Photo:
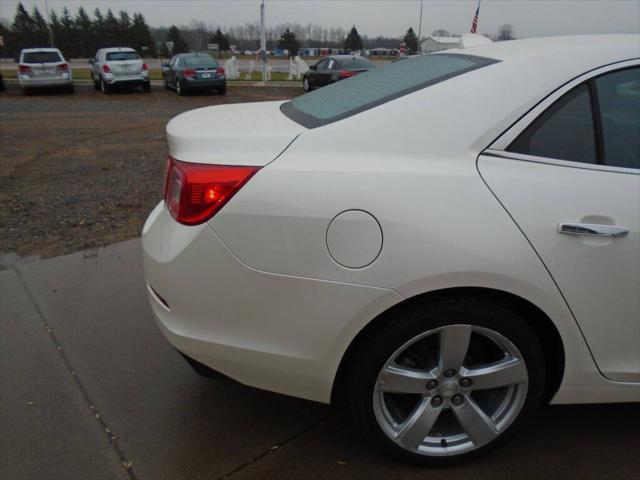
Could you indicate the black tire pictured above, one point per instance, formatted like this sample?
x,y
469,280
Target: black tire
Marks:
x,y
26,91
96,83
146,87
165,84
222,90
410,323
306,84
71,89
105,87
180,90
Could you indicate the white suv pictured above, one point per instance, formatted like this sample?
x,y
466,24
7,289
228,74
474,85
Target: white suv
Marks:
x,y
43,68
446,242
121,66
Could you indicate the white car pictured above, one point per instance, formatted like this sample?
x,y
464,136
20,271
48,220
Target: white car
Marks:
x,y
119,67
444,243
43,68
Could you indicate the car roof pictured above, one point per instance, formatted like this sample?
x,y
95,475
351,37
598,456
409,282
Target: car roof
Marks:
x,y
461,116
44,49
117,49
345,57
193,54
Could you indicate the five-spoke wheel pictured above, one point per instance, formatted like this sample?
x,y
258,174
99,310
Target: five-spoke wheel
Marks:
x,y
444,383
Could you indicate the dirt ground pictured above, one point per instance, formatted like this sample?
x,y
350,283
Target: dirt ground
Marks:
x,y
84,170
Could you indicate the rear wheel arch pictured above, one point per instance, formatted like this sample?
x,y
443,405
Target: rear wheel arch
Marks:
x,y
540,323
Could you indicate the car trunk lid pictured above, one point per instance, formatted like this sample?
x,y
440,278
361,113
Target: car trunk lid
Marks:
x,y
241,134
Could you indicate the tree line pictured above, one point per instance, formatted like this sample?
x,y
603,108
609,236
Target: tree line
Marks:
x,y
80,35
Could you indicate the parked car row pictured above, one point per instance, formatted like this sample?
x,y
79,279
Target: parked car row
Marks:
x,y
119,67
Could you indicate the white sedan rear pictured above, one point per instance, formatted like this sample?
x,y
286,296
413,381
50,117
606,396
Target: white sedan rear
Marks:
x,y
443,244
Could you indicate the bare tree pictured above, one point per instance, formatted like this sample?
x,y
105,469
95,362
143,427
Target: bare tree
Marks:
x,y
505,32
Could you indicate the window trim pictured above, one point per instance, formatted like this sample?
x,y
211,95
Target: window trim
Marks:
x,y
500,145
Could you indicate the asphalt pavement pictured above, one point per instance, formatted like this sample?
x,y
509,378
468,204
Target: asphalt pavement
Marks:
x,y
89,389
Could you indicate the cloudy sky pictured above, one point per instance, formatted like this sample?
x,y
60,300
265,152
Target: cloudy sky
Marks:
x,y
381,17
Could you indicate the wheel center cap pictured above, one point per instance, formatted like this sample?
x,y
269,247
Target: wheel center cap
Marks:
x,y
448,389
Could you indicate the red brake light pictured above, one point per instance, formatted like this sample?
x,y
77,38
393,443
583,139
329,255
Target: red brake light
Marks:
x,y
346,73
145,66
24,68
105,68
189,72
195,192
220,70
63,66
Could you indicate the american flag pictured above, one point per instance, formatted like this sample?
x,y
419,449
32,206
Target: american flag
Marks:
x,y
474,24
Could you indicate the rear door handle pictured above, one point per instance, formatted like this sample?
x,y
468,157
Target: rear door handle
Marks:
x,y
592,229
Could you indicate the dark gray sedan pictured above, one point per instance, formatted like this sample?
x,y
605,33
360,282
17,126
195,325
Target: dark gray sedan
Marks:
x,y
194,71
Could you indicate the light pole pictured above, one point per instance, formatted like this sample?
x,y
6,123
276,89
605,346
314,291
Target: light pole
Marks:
x,y
46,9
420,30
263,44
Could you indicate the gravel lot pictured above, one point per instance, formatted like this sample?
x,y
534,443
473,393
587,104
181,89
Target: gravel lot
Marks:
x,y
84,170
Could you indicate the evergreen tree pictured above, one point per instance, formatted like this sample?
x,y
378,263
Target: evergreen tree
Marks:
x,y
179,45
56,28
40,33
85,33
99,29
68,40
288,41
353,42
111,27
411,41
141,36
222,40
22,29
8,49
124,29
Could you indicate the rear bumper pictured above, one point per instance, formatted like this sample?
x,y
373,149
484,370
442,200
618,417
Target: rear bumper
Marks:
x,y
45,82
275,332
131,80
196,84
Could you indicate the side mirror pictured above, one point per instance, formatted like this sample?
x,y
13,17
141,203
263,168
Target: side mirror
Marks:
x,y
165,66
91,61
312,67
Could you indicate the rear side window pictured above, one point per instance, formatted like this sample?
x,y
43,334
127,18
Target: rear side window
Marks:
x,y
377,86
200,61
565,131
122,56
354,63
597,122
619,105
41,57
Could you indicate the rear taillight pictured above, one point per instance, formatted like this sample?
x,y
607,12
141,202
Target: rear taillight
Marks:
x,y
145,66
346,73
189,72
105,68
24,68
194,192
63,67
220,70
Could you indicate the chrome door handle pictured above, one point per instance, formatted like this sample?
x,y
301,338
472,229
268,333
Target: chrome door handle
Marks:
x,y
592,229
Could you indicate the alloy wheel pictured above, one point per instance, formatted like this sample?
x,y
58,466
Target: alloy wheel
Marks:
x,y
450,390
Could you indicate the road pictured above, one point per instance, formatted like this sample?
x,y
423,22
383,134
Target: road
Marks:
x,y
88,386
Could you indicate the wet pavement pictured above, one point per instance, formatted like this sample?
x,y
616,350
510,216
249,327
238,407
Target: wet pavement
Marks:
x,y
89,389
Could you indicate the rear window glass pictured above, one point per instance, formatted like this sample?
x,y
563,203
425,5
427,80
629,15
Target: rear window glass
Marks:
x,y
121,56
377,86
356,62
200,61
41,57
